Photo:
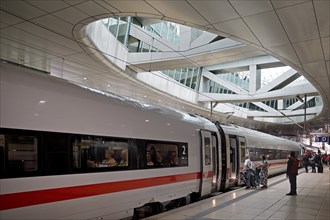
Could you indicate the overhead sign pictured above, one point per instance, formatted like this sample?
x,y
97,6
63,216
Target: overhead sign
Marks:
x,y
322,139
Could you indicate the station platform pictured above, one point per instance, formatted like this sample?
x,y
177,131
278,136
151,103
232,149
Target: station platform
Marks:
x,y
312,201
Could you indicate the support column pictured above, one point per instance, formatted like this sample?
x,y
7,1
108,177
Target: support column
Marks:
x,y
255,79
280,104
203,87
185,38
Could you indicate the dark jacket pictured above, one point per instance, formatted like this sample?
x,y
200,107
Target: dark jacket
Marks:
x,y
306,159
292,166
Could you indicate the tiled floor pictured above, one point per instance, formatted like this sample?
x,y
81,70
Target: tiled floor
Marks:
x,y
312,201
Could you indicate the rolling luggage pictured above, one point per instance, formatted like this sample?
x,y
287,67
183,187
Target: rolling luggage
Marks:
x,y
320,168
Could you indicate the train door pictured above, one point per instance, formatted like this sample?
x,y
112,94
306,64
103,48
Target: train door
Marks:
x,y
215,163
206,163
233,156
241,155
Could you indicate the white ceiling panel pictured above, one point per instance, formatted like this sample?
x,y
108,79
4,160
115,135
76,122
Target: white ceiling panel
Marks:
x,y
43,43
23,40
282,4
180,10
287,52
49,5
9,19
215,11
67,66
323,82
33,60
74,2
76,69
3,25
251,7
317,69
21,9
80,57
131,6
309,51
88,64
106,4
326,47
267,29
92,8
302,14
71,15
45,38
238,29
322,9
55,25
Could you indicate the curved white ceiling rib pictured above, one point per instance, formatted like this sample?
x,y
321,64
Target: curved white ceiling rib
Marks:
x,y
41,34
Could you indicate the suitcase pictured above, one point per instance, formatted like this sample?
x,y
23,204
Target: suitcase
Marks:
x,y
320,168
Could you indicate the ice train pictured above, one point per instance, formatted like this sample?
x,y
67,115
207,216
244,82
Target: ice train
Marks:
x,y
69,152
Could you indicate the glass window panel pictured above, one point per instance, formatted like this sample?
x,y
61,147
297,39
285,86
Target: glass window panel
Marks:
x,y
98,152
207,150
160,154
21,153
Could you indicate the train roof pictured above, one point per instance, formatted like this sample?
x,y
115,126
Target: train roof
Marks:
x,y
36,101
259,139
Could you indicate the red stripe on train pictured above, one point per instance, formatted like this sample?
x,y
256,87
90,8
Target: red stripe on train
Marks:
x,y
17,200
208,174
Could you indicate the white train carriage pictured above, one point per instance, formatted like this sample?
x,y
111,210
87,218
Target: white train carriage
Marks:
x,y
69,152
239,141
54,137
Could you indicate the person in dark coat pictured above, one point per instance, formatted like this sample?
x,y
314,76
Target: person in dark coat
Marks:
x,y
292,172
306,161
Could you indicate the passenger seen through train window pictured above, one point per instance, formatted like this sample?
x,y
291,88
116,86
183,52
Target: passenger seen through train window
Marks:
x,y
166,154
149,161
110,160
98,152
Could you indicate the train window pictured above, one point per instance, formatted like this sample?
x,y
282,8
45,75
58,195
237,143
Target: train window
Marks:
x,y
284,154
160,154
207,150
256,153
18,154
98,152
271,154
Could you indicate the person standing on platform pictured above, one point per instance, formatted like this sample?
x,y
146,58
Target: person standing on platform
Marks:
x,y
248,171
263,165
312,161
306,161
292,172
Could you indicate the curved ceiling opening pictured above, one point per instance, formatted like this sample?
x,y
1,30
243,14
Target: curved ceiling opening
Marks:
x,y
205,69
